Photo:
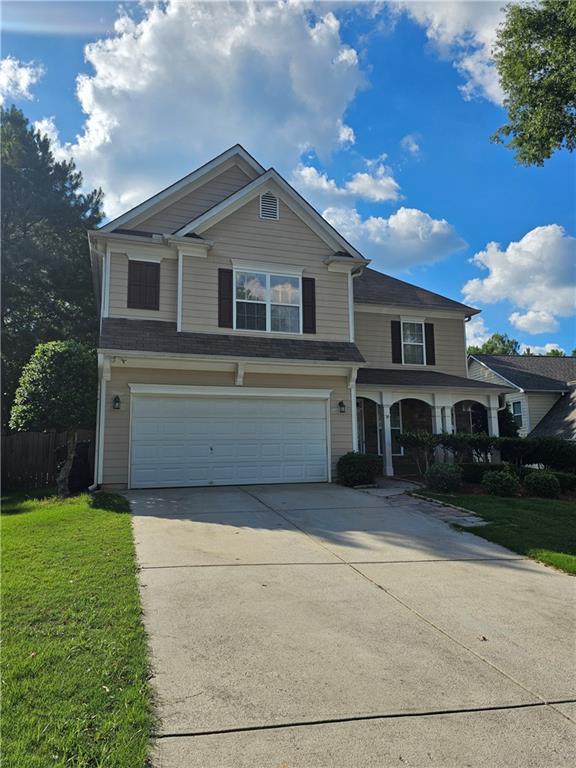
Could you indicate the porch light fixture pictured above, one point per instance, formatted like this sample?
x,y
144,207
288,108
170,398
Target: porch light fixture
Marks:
x,y
342,406
116,402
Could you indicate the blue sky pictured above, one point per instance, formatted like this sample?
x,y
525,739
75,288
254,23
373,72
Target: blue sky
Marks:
x,y
379,114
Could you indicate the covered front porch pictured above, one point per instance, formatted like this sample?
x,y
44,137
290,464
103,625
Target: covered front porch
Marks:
x,y
390,402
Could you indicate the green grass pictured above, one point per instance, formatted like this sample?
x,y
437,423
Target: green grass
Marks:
x,y
543,529
74,660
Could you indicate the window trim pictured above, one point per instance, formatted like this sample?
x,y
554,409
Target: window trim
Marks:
x,y
268,303
418,321
520,414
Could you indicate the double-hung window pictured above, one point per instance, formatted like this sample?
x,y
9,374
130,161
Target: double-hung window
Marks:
x,y
267,302
413,344
517,413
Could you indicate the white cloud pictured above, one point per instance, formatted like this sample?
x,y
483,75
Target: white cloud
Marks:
x,y
541,350
402,240
377,186
188,80
534,321
410,144
536,274
465,33
17,78
476,332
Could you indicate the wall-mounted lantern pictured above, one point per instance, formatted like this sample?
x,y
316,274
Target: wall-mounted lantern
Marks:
x,y
116,402
342,406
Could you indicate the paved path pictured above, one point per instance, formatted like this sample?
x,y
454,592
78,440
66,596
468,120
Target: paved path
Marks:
x,y
316,626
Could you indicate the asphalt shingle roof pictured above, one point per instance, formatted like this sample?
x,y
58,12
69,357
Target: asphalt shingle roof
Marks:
x,y
402,377
372,287
533,372
158,336
560,421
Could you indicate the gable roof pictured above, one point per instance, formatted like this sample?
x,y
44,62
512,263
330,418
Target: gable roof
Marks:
x,y
372,287
560,421
179,188
532,373
290,196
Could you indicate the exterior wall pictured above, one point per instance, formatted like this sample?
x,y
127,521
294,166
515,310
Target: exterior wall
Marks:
x,y
119,290
523,398
373,338
288,241
481,373
177,215
535,405
117,423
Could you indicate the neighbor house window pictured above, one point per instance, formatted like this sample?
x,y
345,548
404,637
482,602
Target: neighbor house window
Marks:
x,y
517,413
268,302
413,343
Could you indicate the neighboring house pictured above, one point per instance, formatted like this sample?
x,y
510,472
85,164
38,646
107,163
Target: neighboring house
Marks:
x,y
244,340
543,402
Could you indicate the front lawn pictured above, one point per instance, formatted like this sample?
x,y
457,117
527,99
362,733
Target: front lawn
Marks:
x,y
75,690
543,529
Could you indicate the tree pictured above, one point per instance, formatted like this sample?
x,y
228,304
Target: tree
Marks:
x,y
507,426
555,353
46,283
57,390
535,56
497,344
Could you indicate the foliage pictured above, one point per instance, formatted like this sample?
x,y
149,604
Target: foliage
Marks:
x,y
57,389
46,283
515,449
542,484
543,529
74,648
421,446
444,477
474,471
507,426
502,483
536,60
567,481
497,344
358,468
553,453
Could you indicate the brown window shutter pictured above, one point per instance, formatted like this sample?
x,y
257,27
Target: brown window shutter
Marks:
x,y
225,298
143,285
396,341
430,346
308,305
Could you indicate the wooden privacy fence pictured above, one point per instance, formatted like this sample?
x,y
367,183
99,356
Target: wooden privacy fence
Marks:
x,y
29,458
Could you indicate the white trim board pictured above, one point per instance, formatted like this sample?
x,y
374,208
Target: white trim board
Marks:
x,y
184,390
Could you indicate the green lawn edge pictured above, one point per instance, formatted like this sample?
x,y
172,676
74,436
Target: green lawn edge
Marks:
x,y
75,657
541,529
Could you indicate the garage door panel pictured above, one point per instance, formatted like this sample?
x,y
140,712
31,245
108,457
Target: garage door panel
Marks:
x,y
179,441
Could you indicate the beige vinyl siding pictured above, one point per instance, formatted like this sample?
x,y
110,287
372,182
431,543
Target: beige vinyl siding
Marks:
x,y
117,426
374,339
119,290
481,373
181,212
539,403
521,397
288,241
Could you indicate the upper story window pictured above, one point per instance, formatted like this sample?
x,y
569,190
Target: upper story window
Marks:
x,y
517,413
413,343
143,284
269,206
267,302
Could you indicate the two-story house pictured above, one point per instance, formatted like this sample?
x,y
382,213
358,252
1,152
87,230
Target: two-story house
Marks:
x,y
543,391
244,340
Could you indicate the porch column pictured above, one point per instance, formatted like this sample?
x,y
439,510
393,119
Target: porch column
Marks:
x,y
448,425
437,419
493,428
388,467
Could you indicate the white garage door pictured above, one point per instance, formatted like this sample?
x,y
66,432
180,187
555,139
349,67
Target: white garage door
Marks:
x,y
183,441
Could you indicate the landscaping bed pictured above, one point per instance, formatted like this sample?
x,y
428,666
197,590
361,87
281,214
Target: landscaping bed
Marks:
x,y
75,668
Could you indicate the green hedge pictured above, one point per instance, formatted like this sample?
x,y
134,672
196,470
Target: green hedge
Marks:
x,y
474,471
542,484
444,477
358,469
501,483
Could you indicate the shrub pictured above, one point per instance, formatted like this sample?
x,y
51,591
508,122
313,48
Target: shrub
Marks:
x,y
516,450
473,471
358,468
542,484
567,481
421,446
553,453
444,477
502,483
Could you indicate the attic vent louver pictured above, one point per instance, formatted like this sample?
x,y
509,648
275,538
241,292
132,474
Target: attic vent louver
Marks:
x,y
269,206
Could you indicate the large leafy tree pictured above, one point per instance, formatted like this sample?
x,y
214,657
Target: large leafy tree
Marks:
x,y
535,53
57,390
46,283
497,344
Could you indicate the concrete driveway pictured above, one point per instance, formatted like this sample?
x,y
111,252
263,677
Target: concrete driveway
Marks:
x,y
307,626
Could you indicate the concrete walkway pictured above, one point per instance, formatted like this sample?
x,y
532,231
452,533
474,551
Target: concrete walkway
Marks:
x,y
316,626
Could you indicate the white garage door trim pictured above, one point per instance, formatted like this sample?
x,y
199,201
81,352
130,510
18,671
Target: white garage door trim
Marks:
x,y
143,390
